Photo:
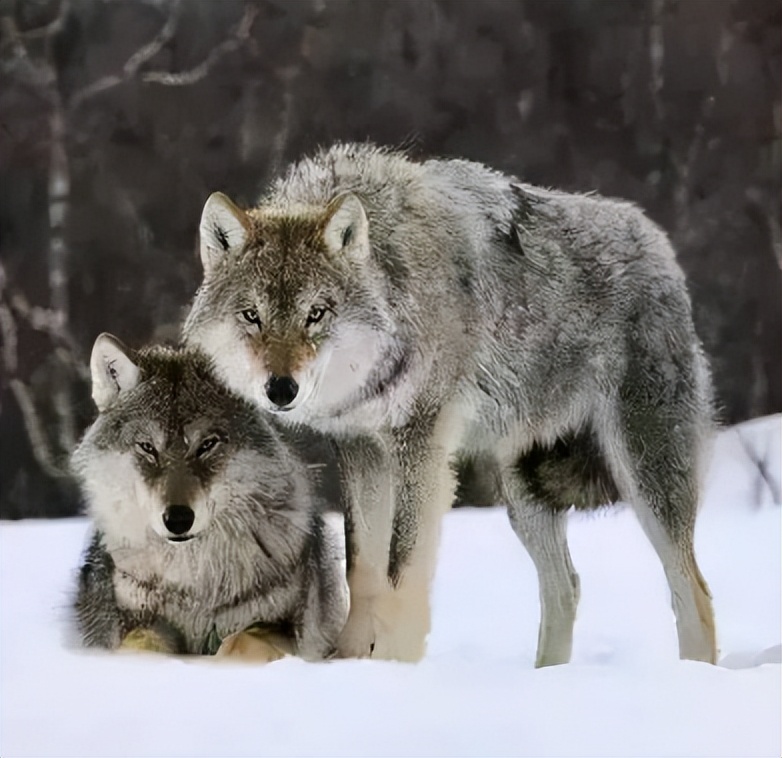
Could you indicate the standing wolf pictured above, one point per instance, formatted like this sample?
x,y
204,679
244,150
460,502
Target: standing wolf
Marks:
x,y
204,521
414,311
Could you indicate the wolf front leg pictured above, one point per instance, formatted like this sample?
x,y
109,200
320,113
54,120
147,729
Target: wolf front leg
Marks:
x,y
100,620
325,605
396,492
365,465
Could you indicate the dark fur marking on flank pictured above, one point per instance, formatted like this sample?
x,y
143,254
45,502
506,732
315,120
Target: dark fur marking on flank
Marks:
x,y
571,472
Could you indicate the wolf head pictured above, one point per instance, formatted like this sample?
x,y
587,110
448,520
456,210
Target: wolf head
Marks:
x,y
288,309
173,454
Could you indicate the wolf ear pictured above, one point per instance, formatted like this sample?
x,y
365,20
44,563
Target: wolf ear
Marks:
x,y
112,370
347,228
223,229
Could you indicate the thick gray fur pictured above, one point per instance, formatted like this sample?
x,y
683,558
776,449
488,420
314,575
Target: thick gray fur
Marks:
x,y
548,334
169,433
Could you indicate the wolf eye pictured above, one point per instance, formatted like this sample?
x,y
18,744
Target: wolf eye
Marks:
x,y
207,445
147,449
317,312
250,315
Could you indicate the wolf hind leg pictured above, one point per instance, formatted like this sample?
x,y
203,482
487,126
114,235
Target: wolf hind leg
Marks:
x,y
690,596
541,486
657,465
543,532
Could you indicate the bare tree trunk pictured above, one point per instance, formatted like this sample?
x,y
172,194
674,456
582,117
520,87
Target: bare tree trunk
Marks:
x,y
59,190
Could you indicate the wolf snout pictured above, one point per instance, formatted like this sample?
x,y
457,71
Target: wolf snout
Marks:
x,y
281,390
178,519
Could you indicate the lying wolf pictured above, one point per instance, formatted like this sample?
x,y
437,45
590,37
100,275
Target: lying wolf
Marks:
x,y
414,311
206,537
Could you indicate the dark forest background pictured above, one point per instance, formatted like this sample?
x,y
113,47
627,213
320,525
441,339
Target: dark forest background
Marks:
x,y
118,118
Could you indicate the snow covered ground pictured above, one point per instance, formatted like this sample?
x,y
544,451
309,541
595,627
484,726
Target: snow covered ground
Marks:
x,y
476,693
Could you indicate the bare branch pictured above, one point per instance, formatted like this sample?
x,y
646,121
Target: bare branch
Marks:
x,y
7,329
32,423
151,49
53,27
39,442
50,322
38,75
41,319
764,474
775,231
288,77
62,402
768,213
195,74
685,166
10,339
683,162
657,58
132,65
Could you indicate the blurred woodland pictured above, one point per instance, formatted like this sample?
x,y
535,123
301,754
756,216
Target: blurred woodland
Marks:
x,y
119,117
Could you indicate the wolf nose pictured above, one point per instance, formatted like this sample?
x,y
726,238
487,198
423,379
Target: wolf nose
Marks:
x,y
281,390
178,518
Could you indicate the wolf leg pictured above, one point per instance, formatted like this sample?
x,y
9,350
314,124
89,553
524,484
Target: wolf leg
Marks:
x,y
690,596
543,532
368,502
327,601
393,548
657,461
426,493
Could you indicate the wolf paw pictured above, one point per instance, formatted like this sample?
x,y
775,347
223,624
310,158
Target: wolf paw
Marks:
x,y
253,646
385,629
357,638
145,641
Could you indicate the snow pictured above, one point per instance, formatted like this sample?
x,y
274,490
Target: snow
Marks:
x,y
625,693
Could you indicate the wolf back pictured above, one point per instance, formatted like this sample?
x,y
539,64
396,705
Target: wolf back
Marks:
x,y
415,311
204,520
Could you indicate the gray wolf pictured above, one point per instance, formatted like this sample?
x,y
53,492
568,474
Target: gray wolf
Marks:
x,y
418,311
206,536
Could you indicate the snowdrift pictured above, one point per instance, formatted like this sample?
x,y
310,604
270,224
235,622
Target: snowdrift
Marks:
x,y
476,693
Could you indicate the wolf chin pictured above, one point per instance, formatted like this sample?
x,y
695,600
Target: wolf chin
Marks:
x,y
206,536
417,311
